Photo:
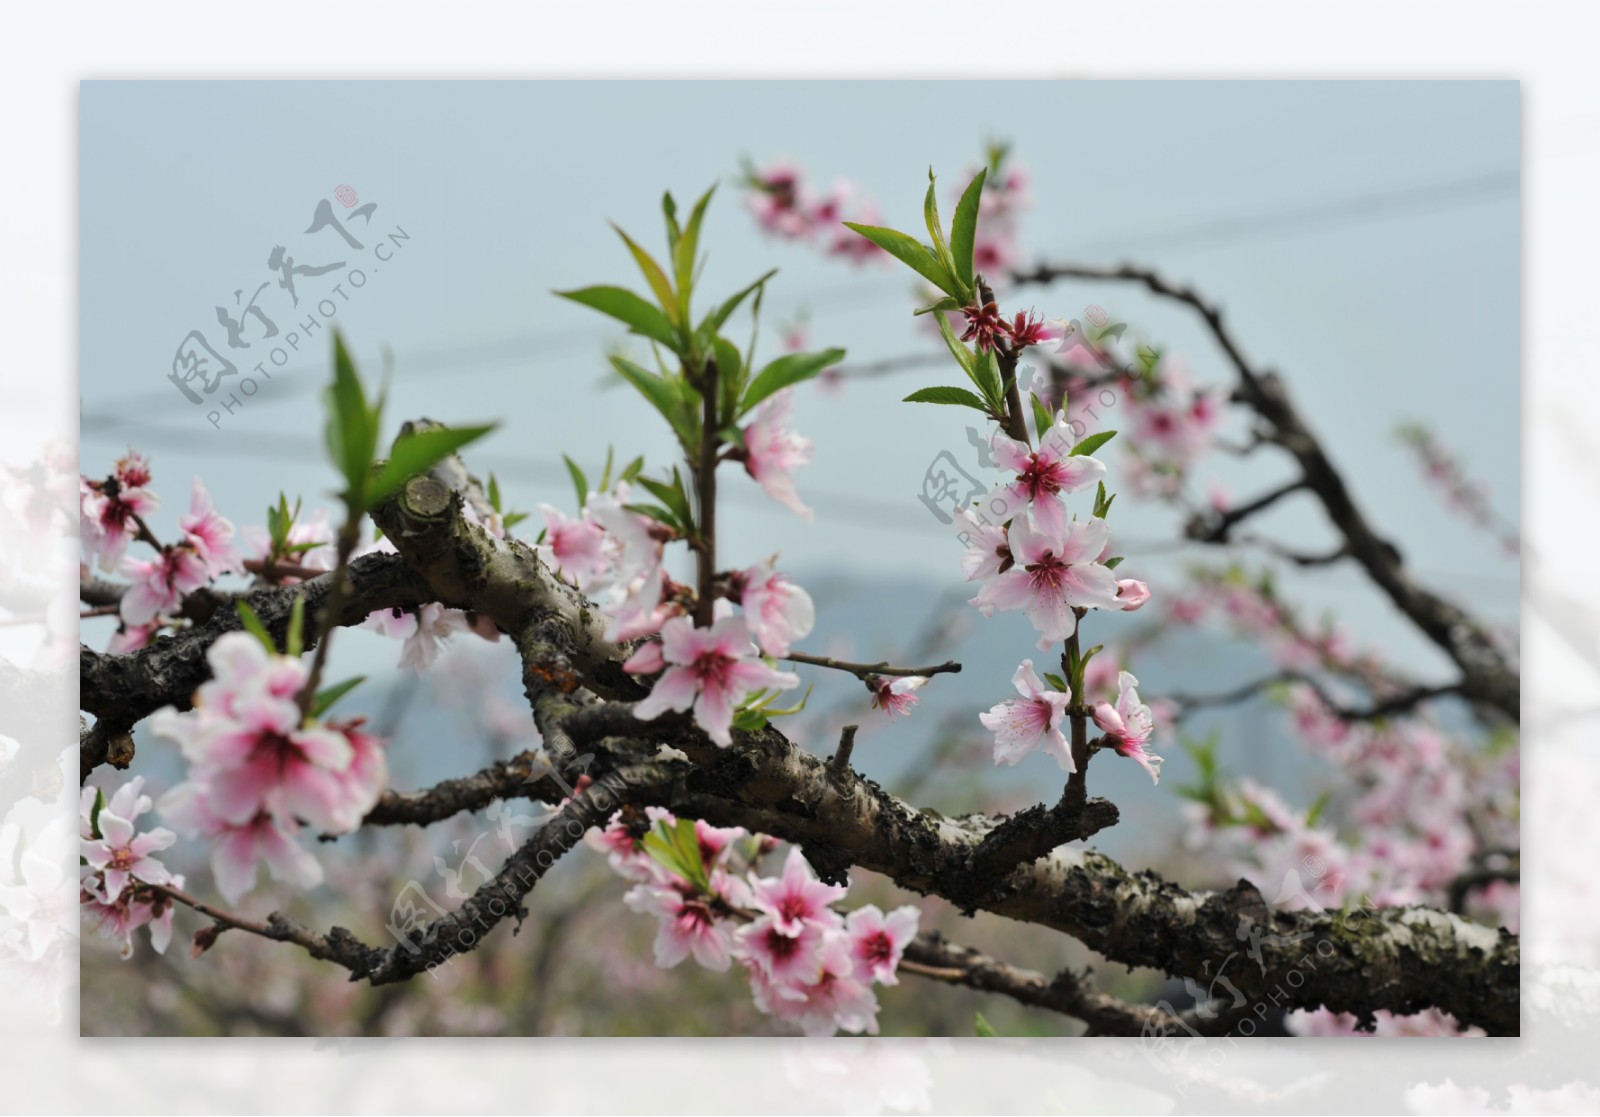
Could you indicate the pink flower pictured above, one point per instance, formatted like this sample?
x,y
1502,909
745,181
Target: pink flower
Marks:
x,y
160,584
1131,594
632,540
648,660
688,923
797,898
717,841
641,607
852,245
877,941
622,850
1129,724
120,854
240,847
1032,722
895,695
1027,329
119,916
779,199
784,960
209,534
251,749
711,669
574,548
777,611
988,550
830,999
772,452
1055,572
130,638
1046,474
396,623
1100,676
107,510
435,624
984,326
993,254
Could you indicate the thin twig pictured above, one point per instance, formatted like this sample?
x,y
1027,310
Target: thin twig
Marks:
x,y
862,670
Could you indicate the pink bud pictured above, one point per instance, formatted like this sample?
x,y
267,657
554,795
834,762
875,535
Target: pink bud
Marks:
x,y
1132,594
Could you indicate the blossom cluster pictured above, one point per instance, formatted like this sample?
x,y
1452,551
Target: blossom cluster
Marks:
x,y
260,769
117,862
1462,493
615,555
807,964
1025,553
111,514
785,204
1171,422
1423,803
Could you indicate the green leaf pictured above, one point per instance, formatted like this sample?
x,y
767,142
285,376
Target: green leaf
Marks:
x,y
749,720
352,430
671,495
658,513
730,376
678,848
1042,421
986,374
669,209
631,470
1113,562
94,811
327,697
957,396
1056,681
913,253
960,352
1093,443
982,1027
629,309
940,306
579,481
252,625
296,641
1314,815
683,253
792,368
964,229
494,493
418,451
665,396
657,278
713,321
930,215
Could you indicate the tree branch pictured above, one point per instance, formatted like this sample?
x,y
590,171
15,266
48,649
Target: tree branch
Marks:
x,y
1486,674
862,670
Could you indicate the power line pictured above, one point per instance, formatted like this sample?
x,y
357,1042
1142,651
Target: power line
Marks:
x,y
1341,211
465,359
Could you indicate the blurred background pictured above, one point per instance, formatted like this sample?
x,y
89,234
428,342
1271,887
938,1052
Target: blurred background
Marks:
x,y
1362,237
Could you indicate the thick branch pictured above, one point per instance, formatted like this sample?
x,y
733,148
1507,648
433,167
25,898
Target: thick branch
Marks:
x,y
130,687
1065,993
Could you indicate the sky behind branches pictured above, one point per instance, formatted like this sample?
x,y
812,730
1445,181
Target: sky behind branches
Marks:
x,y
1362,236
